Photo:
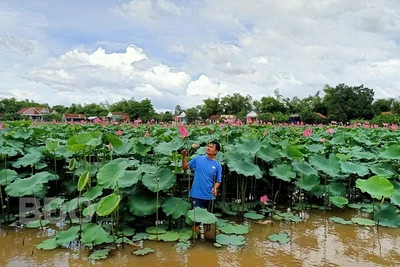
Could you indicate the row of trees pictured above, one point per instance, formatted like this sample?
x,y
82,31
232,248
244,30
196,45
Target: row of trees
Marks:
x,y
341,103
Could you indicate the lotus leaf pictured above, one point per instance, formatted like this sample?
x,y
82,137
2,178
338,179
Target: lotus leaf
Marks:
x,y
169,236
7,176
343,157
83,180
109,174
395,198
53,204
185,234
154,230
90,210
340,220
376,186
234,229
201,215
37,223
167,148
72,164
182,246
283,171
292,152
315,148
268,153
388,216
248,146
337,140
350,167
363,155
338,201
176,207
78,142
234,240
363,221
23,134
143,202
29,186
123,240
140,236
383,170
129,178
33,157
329,166
95,234
99,254
143,251
392,152
282,238
108,204
308,182
146,168
245,168
93,192
114,140
48,244
253,216
304,168
140,148
63,238
336,189
162,180
52,145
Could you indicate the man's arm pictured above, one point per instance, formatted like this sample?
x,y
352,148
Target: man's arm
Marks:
x,y
218,181
215,188
185,165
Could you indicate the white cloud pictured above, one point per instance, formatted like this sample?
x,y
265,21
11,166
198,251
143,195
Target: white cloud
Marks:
x,y
147,9
21,45
206,87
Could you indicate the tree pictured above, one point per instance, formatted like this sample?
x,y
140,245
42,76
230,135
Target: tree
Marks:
x,y
178,110
383,105
60,109
237,105
192,114
166,117
210,107
344,103
269,105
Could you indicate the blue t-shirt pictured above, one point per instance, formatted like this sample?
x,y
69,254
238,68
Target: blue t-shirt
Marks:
x,y
206,171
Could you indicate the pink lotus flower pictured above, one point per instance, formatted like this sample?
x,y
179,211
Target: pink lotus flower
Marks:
x,y
147,134
195,145
307,132
183,131
394,127
264,199
119,132
330,130
323,140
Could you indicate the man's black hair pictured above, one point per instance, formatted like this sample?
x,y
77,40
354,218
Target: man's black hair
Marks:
x,y
217,145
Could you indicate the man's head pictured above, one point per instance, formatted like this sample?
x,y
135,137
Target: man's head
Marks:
x,y
212,148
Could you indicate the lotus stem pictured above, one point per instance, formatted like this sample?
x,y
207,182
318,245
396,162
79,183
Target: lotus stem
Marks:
x,y
158,181
55,172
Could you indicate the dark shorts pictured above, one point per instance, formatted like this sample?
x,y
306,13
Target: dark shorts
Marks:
x,y
202,203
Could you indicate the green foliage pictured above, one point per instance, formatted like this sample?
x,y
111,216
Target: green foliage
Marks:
x,y
386,119
282,238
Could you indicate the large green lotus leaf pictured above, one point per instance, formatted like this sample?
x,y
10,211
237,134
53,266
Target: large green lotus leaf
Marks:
x,y
384,170
129,178
248,146
182,246
283,171
231,157
52,145
114,140
363,155
314,148
395,198
292,152
245,168
63,238
7,176
70,205
282,238
253,216
93,192
308,182
362,140
90,210
329,166
376,186
146,168
302,167
337,140
140,148
339,201
81,139
268,153
234,240
53,204
28,186
143,251
140,236
388,216
350,167
48,244
154,230
83,180
340,220
336,189
318,190
109,174
343,157
234,229
176,207
124,149
23,133
162,180
201,215
185,234
95,234
167,148
100,254
32,157
392,152
143,202
169,236
108,204
363,221
37,223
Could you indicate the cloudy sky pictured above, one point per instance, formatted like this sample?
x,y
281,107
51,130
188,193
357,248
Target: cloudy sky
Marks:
x,y
180,52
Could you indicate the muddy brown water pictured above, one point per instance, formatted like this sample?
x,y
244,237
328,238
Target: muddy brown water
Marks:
x,y
314,242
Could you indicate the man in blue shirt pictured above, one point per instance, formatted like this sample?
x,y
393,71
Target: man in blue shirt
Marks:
x,y
207,175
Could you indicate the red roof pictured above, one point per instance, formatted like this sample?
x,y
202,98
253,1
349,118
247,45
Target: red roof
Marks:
x,y
215,117
74,116
32,110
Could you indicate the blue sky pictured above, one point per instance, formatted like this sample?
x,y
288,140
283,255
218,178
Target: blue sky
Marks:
x,y
180,52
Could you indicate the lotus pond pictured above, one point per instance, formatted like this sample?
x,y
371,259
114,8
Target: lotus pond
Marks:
x,y
117,194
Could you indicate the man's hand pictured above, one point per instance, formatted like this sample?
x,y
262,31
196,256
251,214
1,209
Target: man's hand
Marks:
x,y
183,153
214,191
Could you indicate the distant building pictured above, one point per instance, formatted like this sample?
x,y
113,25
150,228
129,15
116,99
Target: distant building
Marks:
x,y
34,113
118,116
251,117
73,117
182,118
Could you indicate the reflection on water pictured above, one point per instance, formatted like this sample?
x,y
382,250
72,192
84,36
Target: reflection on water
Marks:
x,y
315,242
